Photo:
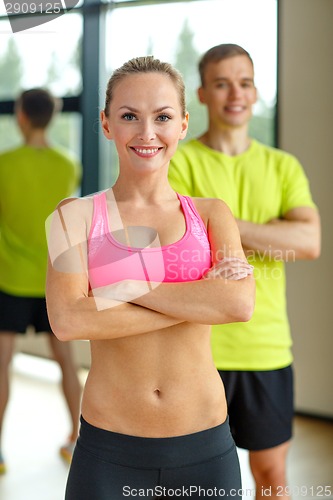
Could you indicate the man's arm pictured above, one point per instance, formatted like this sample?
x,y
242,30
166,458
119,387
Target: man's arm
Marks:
x,y
296,236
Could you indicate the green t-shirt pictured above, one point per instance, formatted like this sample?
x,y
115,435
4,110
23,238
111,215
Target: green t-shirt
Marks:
x,y
261,184
32,182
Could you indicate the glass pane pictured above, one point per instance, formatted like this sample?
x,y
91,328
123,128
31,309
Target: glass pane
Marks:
x,y
64,131
182,33
47,55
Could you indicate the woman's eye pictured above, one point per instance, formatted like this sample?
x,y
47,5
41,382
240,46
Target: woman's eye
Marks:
x,y
128,116
163,118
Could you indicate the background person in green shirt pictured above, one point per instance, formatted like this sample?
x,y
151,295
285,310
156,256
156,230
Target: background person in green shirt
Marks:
x,y
33,179
269,196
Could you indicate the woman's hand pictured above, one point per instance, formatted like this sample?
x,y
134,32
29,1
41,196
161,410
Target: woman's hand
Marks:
x,y
230,268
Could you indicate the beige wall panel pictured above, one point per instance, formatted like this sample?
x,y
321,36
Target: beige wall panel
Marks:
x,y
306,130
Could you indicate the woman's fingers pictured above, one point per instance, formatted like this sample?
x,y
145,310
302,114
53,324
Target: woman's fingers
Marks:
x,y
231,268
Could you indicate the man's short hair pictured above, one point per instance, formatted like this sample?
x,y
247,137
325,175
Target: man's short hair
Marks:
x,y
218,53
39,106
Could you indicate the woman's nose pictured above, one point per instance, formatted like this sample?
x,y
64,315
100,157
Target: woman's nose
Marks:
x,y
146,132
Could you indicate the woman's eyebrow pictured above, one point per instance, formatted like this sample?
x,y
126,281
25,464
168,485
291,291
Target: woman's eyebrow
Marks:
x,y
134,110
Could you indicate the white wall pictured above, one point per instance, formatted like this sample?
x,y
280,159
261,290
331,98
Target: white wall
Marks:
x,y
306,130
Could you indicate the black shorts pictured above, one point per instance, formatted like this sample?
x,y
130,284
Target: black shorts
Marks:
x,y
17,313
107,465
260,407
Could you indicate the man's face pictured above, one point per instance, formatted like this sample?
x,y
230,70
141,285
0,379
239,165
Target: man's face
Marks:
x,y
229,92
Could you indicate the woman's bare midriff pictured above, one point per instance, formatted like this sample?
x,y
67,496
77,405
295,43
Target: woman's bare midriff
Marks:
x,y
160,384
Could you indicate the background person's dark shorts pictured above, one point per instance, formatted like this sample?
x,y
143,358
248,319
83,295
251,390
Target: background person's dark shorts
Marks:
x,y
17,313
260,407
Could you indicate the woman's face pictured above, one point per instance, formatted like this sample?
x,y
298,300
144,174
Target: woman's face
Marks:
x,y
145,121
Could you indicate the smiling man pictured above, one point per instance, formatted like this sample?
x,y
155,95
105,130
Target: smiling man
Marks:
x,y
269,195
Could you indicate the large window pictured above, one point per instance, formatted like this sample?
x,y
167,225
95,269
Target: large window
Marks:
x,y
179,32
49,56
175,31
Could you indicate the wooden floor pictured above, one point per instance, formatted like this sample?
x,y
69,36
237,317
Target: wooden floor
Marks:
x,y
37,425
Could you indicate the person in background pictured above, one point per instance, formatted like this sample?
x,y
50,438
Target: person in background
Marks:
x,y
141,272
33,179
269,195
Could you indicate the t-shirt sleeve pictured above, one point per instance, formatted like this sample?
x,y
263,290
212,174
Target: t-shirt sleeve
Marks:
x,y
296,189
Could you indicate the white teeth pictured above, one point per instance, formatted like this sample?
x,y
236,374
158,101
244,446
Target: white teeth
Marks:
x,y
146,151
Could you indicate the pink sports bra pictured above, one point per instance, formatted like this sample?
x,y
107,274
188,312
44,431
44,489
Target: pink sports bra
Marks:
x,y
110,261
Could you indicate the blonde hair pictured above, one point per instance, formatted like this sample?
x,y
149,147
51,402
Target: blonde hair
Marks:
x,y
145,64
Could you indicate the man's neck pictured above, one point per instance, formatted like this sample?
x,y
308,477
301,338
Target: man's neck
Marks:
x,y
229,142
36,139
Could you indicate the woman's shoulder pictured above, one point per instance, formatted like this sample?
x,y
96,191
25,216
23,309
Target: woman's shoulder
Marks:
x,y
75,213
211,209
210,204
75,204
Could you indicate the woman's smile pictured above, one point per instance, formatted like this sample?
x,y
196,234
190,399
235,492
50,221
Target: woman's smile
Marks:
x,y
146,151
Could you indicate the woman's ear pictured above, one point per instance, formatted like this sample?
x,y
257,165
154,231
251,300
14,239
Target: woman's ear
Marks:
x,y
184,127
105,125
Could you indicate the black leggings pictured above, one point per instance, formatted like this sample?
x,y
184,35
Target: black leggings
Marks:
x,y
111,466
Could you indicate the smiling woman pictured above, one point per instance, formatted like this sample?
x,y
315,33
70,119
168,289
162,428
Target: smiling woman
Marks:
x,y
109,281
